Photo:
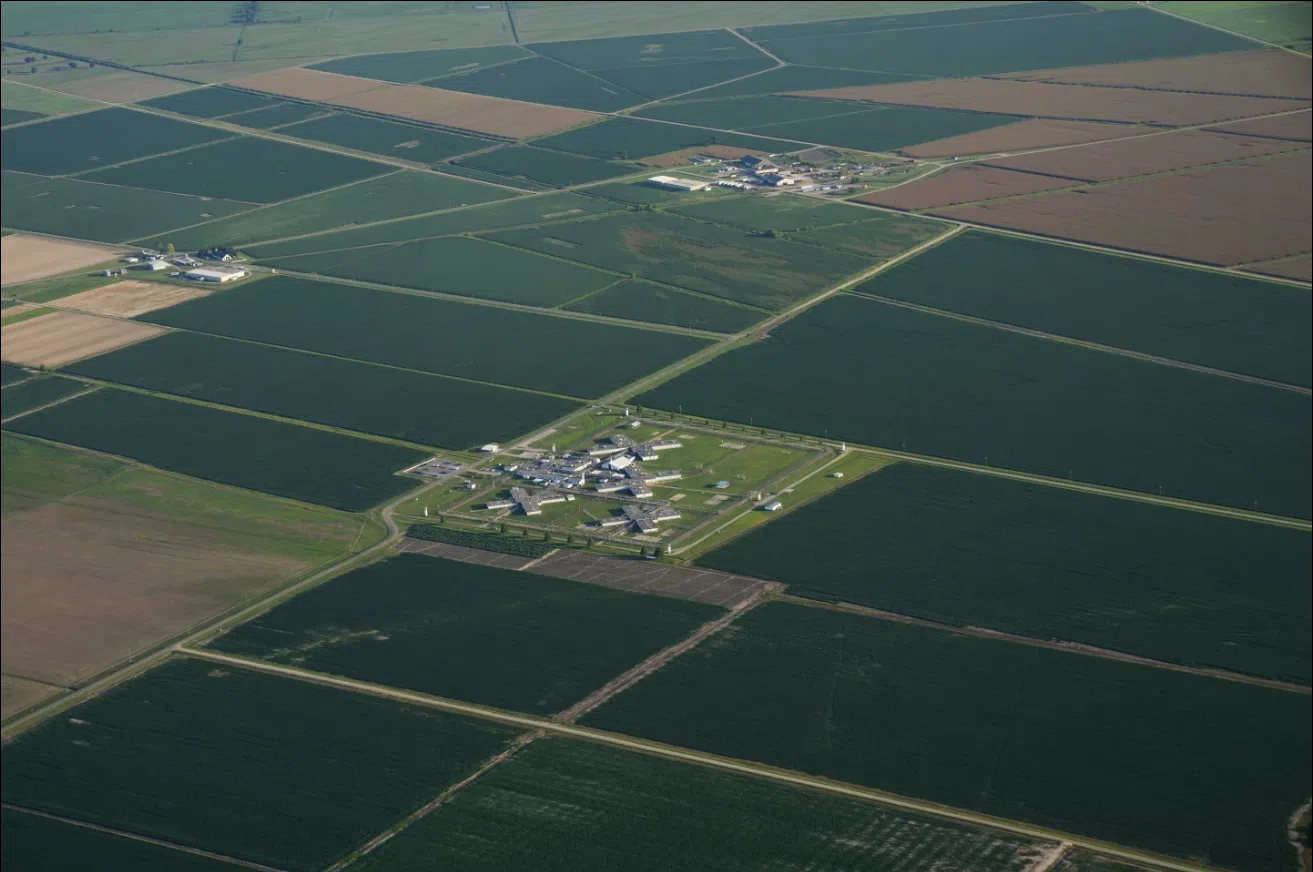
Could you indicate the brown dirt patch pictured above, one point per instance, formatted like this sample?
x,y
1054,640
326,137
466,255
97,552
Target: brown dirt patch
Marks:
x,y
123,87
1297,126
1300,268
131,298
63,337
17,694
1233,214
26,258
467,111
967,184
685,155
1105,161
1031,133
20,309
302,84
1078,102
1259,73
89,582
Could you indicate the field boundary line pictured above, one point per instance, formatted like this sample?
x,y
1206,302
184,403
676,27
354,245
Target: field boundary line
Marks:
x,y
779,62
136,837
1218,27
63,399
716,761
1051,645
1085,343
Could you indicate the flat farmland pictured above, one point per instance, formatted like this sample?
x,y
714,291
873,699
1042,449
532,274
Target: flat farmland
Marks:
x,y
304,773
72,207
1294,125
36,842
1021,135
635,138
642,301
37,392
781,212
126,299
13,374
1167,761
549,167
784,80
879,236
26,258
492,115
962,184
913,16
276,115
389,138
735,265
981,551
317,86
18,116
1282,22
1212,319
36,474
647,813
62,337
211,102
543,80
566,356
1298,268
405,67
121,87
22,97
470,267
953,389
260,454
76,143
409,622
1238,213
395,403
272,171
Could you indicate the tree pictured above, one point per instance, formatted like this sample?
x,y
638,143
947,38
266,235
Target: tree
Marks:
x,y
589,542
171,249
569,539
524,532
503,528
547,537
623,155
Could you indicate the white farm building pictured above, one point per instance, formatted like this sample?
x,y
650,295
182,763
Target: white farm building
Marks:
x,y
215,274
674,184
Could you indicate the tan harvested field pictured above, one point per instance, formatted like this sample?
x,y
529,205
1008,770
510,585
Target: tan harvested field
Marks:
x,y
63,337
967,184
1105,161
1260,73
1079,102
123,87
1300,268
20,309
684,155
131,298
302,84
17,694
89,582
1233,214
1297,126
1031,133
26,258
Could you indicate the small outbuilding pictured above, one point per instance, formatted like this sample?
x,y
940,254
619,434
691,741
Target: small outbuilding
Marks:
x,y
773,506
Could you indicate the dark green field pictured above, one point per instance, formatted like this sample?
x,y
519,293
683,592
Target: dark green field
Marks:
x,y
400,404
10,374
416,66
722,262
634,138
251,766
491,636
635,812
548,167
211,102
977,550
565,356
516,182
641,301
247,168
1167,761
38,392
389,138
470,267
782,80
275,116
18,116
72,207
315,466
1228,322
943,387
941,18
34,843
75,143
881,236
543,80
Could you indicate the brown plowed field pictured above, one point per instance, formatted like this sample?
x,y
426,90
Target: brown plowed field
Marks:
x,y
1300,268
63,337
1261,73
1297,126
1077,102
1031,133
1239,213
122,87
1105,161
17,694
26,258
967,184
467,111
130,299
315,85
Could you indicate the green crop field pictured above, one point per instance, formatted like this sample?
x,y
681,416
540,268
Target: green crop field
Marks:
x,y
634,139
275,115
400,404
1289,24
390,138
1172,762
256,453
783,80
76,143
745,268
1228,322
641,301
640,193
18,116
35,473
543,80
915,16
548,167
519,546
211,102
515,182
85,210
303,773
566,356
247,168
395,195
37,392
977,550
10,374
415,66
943,387
25,98
415,622
469,267
647,813
881,236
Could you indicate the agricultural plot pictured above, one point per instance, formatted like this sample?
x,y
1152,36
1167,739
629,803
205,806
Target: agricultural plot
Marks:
x,y
634,139
537,79
127,299
1031,133
86,210
12,374
272,171
1227,322
976,550
778,212
757,270
1283,23
883,236
275,116
891,21
76,143
544,644
963,184
470,267
32,258
25,98
260,454
389,138
1295,125
1261,73
406,67
647,813
56,338
395,403
936,715
642,301
210,102
953,389
549,167
783,80
38,392
303,773
18,116
36,842
566,356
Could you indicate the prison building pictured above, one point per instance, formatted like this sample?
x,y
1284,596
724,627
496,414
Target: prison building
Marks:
x,y
500,504
652,450
613,445
646,518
